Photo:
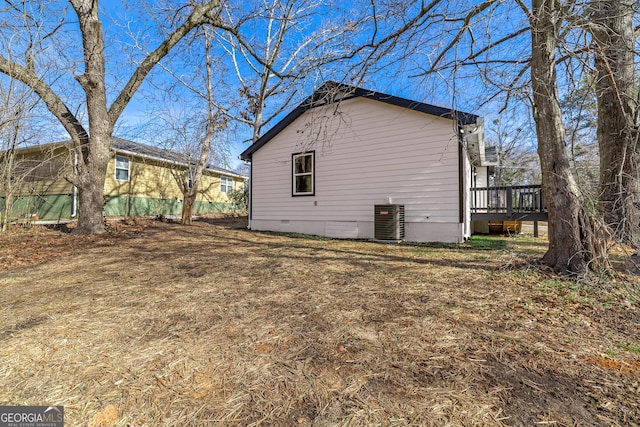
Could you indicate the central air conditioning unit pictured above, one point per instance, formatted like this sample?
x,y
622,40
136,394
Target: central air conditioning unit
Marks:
x,y
389,222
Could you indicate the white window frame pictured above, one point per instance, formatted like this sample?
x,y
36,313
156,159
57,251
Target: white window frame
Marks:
x,y
311,173
226,184
128,168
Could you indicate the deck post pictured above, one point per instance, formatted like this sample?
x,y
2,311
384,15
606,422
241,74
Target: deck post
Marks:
x,y
509,201
535,228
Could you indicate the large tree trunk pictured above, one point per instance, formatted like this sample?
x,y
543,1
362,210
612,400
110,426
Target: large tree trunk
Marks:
x,y
95,151
187,208
93,146
617,136
572,245
91,186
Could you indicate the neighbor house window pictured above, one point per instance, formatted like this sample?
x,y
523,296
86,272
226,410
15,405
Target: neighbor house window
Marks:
x,y
122,168
190,174
303,174
226,184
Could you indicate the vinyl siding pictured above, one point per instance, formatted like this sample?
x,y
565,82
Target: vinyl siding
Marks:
x,y
42,173
40,187
155,181
366,153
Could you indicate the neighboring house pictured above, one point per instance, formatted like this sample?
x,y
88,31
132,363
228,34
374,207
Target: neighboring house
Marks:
x,y
323,168
141,180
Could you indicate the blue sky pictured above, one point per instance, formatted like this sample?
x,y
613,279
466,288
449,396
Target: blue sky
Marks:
x,y
131,31
391,75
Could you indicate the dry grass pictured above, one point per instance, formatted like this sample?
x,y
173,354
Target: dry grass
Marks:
x,y
159,324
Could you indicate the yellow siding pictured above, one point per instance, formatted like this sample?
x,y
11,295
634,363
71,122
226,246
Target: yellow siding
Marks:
x,y
154,180
42,173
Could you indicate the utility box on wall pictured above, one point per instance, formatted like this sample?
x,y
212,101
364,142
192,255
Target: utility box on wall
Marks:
x,y
389,222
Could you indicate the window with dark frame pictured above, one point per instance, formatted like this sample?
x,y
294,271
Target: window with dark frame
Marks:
x,y
122,168
303,174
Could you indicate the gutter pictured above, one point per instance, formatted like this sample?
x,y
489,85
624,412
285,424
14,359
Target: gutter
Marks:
x,y
249,202
74,197
161,160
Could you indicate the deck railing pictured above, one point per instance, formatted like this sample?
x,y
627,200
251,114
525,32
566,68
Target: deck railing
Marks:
x,y
518,202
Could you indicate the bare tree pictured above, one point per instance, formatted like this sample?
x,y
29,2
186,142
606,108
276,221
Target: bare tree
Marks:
x,y
580,117
519,163
574,239
215,121
16,107
611,24
577,240
287,50
93,140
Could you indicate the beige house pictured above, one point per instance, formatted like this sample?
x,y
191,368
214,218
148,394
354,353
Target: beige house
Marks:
x,y
330,164
141,180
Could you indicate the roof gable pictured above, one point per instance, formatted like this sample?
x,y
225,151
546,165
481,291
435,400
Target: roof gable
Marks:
x,y
332,92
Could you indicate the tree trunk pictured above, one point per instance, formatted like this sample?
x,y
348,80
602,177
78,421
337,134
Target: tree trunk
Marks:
x,y
571,229
93,146
7,187
95,150
617,136
187,207
91,189
190,194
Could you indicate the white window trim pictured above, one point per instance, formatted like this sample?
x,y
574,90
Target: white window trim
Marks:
x,y
226,184
294,175
116,168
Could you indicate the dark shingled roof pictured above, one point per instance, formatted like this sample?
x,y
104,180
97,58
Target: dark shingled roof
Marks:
x,y
124,146
328,94
135,148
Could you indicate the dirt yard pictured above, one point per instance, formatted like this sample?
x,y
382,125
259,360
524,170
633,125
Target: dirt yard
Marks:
x,y
160,324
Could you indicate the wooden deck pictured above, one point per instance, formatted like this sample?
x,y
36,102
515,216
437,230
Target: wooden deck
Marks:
x,y
512,203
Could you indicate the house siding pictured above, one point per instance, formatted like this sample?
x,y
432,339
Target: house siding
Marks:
x,y
366,153
152,190
48,207
129,206
155,180
42,173
43,192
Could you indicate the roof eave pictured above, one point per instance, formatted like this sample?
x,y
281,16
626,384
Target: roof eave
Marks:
x,y
319,98
172,162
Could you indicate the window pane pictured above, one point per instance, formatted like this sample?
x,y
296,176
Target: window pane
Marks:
x,y
304,163
226,184
300,166
122,174
122,162
304,184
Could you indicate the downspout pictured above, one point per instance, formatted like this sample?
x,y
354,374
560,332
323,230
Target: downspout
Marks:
x,y
250,207
461,183
74,196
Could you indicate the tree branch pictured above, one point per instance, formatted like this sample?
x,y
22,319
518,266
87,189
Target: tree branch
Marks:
x,y
54,104
197,17
476,11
